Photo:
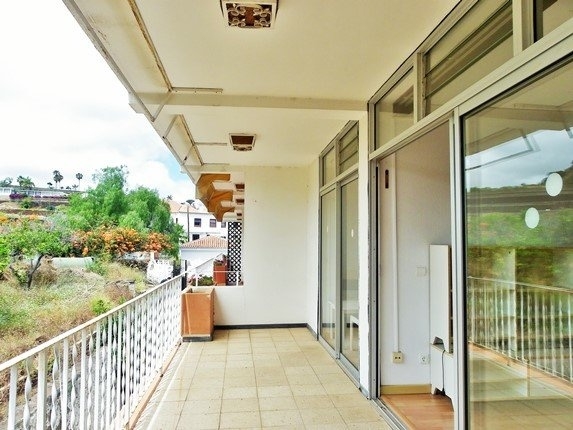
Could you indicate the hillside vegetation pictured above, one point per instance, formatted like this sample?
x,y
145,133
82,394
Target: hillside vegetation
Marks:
x,y
60,300
38,301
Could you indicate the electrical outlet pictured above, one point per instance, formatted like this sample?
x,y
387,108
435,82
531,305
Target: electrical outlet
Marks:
x,y
424,358
397,357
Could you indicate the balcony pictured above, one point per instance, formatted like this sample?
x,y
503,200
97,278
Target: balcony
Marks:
x,y
257,378
128,368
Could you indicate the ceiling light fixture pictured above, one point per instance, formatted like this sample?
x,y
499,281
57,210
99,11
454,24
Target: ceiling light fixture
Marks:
x,y
249,14
242,142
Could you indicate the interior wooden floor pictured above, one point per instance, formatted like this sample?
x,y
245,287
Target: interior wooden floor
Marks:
x,y
422,411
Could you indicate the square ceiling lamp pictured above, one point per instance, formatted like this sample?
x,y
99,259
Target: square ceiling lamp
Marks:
x,y
249,14
242,142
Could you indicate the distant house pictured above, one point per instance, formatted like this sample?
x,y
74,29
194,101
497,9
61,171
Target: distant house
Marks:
x,y
200,254
196,221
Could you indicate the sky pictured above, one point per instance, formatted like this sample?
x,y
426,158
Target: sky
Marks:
x,y
527,160
62,108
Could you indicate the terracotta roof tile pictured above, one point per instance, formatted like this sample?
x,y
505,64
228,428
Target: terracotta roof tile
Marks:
x,y
206,242
175,207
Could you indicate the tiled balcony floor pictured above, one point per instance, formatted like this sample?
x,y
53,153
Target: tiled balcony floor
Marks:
x,y
262,378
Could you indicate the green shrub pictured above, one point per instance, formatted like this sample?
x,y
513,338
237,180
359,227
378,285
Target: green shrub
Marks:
x,y
20,272
26,203
100,306
4,256
205,281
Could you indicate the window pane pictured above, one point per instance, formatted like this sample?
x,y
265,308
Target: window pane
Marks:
x,y
550,14
395,111
348,149
475,46
349,271
454,37
328,267
328,166
519,256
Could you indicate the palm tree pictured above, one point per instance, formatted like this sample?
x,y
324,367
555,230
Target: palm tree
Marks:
x,y
57,177
79,177
50,185
25,182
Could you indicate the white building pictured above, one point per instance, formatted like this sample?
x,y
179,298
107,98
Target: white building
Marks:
x,y
196,221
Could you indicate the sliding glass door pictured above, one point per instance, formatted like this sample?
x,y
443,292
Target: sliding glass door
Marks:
x,y
519,256
339,270
339,246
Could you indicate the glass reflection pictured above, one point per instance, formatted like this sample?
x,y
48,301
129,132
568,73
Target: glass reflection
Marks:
x,y
519,257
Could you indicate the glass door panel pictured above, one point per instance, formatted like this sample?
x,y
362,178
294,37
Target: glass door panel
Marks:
x,y
519,257
349,271
328,327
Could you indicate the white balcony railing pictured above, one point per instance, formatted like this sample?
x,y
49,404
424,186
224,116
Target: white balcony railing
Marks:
x,y
532,324
94,376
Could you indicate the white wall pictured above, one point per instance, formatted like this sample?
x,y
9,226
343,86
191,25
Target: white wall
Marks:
x,y
275,251
195,257
423,218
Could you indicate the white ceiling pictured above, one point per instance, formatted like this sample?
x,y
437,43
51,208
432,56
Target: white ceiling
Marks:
x,y
294,86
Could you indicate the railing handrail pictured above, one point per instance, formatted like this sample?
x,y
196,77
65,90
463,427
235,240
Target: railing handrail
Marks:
x,y
195,276
227,271
525,284
49,343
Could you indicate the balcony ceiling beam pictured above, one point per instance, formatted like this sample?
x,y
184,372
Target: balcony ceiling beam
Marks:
x,y
180,99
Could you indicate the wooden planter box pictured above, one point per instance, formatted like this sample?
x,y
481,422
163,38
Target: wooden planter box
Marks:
x,y
197,314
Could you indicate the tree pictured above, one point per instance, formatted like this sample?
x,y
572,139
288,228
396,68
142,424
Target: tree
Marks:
x,y
6,182
25,182
57,177
31,241
50,185
102,205
110,205
149,207
79,177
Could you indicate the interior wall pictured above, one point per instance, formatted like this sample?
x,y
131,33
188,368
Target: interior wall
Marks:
x,y
275,251
422,218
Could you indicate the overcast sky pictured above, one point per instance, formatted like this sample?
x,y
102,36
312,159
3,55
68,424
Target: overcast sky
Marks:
x,y
62,108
